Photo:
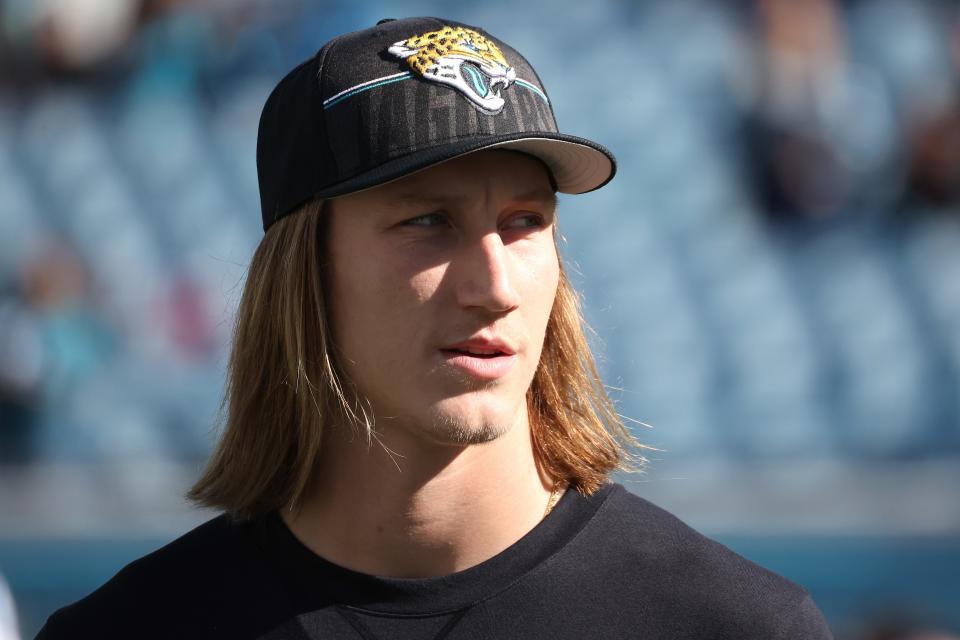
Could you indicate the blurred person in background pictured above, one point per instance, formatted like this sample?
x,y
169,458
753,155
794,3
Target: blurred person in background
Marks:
x,y
844,121
931,120
8,613
799,166
933,154
76,337
417,443
67,38
21,376
54,337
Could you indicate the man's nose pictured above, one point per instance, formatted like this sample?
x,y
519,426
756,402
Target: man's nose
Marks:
x,y
485,276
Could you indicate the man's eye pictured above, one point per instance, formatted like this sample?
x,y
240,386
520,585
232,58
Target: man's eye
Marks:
x,y
426,220
529,221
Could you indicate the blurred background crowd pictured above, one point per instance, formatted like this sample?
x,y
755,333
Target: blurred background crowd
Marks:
x,y
773,277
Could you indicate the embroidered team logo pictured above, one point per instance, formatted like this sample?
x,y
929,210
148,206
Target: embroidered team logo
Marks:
x,y
463,59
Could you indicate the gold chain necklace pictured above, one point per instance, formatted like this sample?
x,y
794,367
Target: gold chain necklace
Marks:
x,y
554,498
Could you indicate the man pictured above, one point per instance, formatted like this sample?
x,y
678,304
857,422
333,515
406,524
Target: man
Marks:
x,y
417,443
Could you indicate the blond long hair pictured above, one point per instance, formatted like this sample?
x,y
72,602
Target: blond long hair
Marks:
x,y
284,386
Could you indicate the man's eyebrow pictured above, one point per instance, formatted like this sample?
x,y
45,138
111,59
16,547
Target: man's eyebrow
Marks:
x,y
548,198
542,196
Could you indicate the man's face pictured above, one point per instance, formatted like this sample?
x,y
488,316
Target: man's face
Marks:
x,y
441,286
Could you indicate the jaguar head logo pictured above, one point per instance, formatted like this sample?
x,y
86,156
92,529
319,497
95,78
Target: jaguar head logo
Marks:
x,y
463,59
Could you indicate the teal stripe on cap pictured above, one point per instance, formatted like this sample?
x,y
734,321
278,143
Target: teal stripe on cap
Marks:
x,y
407,76
366,88
524,83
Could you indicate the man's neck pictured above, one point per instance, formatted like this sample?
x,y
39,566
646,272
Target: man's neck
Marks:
x,y
434,511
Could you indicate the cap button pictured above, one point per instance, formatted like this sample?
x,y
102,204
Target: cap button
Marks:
x,y
379,22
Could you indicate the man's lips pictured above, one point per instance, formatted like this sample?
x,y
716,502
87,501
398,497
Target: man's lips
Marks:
x,y
482,347
485,359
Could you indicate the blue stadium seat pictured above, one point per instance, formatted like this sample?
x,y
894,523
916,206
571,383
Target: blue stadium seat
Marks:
x,y
881,367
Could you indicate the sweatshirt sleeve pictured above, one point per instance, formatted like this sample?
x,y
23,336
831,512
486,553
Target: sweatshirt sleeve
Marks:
x,y
807,623
48,632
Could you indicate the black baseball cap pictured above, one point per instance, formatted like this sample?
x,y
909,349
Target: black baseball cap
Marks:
x,y
379,104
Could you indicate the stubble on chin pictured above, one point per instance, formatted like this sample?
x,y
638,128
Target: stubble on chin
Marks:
x,y
450,430
456,431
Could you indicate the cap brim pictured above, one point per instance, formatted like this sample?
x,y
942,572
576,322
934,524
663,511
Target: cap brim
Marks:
x,y
578,165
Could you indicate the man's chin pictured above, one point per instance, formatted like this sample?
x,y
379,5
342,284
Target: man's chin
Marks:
x,y
460,421
458,430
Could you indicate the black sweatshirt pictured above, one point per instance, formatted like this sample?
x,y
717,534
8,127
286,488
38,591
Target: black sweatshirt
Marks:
x,y
611,565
